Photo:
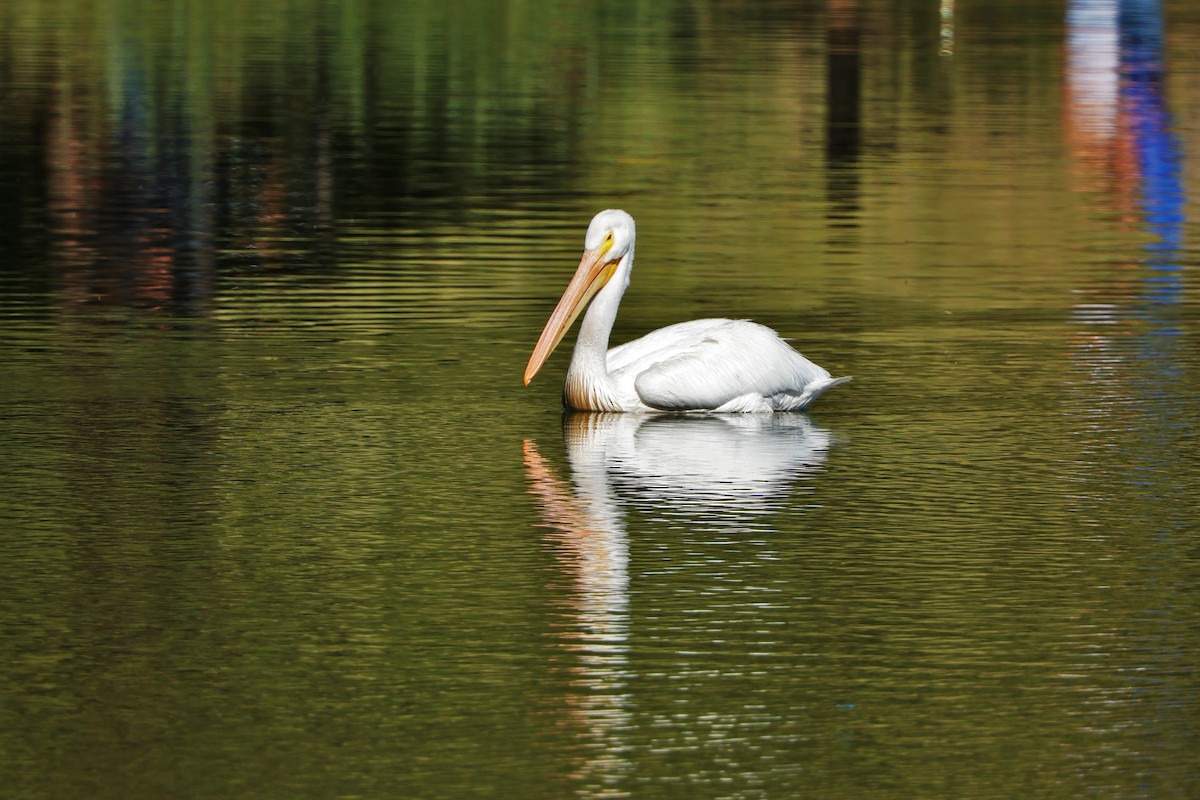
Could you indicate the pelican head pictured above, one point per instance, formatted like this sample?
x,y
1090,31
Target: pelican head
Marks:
x,y
608,251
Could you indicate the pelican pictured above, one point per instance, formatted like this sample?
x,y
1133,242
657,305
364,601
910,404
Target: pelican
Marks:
x,y
717,365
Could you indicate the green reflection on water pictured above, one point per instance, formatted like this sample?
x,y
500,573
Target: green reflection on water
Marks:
x,y
282,521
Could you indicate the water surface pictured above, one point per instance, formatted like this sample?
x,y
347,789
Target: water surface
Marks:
x,y
281,521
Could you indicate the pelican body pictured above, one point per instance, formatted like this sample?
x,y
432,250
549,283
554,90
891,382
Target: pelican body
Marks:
x,y
717,365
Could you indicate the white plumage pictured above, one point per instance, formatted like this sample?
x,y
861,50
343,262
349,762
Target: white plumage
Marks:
x,y
719,365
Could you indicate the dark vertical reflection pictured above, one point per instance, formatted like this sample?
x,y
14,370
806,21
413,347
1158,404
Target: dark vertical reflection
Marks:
x,y
322,138
128,179
842,112
149,148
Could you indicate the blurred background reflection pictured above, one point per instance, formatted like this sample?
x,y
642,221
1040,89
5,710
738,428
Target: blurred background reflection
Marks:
x,y
281,521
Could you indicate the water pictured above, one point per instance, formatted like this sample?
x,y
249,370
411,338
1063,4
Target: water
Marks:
x,y
281,521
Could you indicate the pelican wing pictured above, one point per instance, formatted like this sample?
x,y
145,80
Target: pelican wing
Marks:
x,y
662,344
719,365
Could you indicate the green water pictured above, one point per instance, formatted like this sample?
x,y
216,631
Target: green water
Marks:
x,y
280,520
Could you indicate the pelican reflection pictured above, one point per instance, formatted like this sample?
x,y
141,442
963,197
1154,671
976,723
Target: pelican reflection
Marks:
x,y
719,472
713,471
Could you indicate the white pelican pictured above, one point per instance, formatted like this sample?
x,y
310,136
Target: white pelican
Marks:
x,y
704,365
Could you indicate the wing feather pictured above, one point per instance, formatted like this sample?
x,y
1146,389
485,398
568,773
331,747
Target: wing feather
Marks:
x,y
707,364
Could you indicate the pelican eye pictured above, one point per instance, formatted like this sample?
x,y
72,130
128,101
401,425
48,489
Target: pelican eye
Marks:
x,y
606,245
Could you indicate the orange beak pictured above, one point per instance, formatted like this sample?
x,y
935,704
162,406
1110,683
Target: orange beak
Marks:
x,y
593,273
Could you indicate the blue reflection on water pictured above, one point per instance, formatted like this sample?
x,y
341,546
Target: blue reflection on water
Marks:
x,y
1159,156
1123,137
1123,127
1159,159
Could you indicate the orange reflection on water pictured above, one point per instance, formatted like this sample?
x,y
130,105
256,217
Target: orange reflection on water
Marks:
x,y
591,548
